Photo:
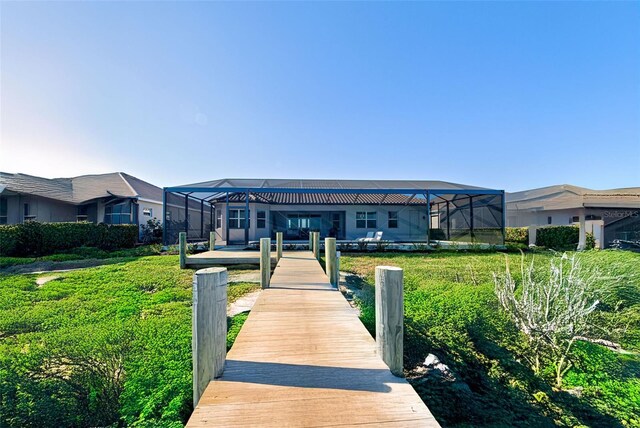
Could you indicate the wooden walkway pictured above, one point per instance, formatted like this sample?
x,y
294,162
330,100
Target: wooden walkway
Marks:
x,y
304,359
225,258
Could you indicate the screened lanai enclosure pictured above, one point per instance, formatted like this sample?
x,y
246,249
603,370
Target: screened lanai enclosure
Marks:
x,y
241,211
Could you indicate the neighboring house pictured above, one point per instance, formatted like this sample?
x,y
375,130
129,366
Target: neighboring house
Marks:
x,y
613,214
114,198
244,210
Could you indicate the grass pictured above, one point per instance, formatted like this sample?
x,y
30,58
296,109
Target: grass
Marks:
x,y
102,345
83,253
451,311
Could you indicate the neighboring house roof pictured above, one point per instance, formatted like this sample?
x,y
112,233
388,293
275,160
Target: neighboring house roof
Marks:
x,y
267,183
566,196
81,189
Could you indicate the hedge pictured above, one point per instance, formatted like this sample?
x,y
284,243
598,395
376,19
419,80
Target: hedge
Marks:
x,y
561,238
518,235
39,239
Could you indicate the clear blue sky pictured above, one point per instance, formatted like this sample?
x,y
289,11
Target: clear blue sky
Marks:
x,y
509,95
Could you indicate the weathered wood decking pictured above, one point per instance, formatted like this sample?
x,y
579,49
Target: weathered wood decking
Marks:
x,y
303,358
225,258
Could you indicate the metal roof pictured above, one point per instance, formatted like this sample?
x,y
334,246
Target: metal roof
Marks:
x,y
81,189
566,196
330,184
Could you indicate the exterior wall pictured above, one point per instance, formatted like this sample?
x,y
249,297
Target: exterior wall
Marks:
x,y
517,218
412,220
156,211
45,210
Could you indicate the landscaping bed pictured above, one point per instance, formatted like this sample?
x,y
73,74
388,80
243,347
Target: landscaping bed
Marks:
x,y
476,372
101,346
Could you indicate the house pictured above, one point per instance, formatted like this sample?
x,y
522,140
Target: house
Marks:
x,y
240,211
114,198
609,214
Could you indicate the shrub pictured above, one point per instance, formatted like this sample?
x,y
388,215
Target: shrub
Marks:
x,y
9,235
519,235
38,239
561,238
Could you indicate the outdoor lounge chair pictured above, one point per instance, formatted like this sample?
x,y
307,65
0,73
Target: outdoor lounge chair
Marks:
x,y
377,236
369,237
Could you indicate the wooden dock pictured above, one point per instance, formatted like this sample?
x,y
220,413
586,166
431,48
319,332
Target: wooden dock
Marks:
x,y
304,359
225,258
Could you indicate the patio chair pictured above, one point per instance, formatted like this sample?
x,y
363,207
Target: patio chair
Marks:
x,y
369,237
377,236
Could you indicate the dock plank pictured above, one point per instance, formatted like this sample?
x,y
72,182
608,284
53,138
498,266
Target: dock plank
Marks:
x,y
304,359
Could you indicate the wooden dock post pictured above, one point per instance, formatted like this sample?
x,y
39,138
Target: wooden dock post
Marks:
x,y
278,246
212,241
209,337
331,260
310,241
390,316
316,245
182,247
265,262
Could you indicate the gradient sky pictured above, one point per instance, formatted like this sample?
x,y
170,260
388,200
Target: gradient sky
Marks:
x,y
508,95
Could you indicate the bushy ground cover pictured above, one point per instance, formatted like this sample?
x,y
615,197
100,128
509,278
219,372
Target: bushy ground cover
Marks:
x,y
83,253
451,311
109,345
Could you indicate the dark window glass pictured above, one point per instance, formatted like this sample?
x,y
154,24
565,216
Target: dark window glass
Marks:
x,y
218,219
549,219
3,210
118,213
262,220
366,220
236,219
393,219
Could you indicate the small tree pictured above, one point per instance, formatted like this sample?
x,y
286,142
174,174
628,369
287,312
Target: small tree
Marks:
x,y
152,231
553,312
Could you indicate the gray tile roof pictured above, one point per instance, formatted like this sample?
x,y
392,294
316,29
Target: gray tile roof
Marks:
x,y
566,196
81,189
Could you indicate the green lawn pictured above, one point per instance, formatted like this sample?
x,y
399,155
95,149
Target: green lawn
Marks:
x,y
452,312
98,346
112,344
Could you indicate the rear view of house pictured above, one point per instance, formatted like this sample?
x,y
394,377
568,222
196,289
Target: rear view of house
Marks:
x,y
240,211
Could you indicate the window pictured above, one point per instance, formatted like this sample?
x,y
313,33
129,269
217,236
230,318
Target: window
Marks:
x,y
147,212
549,220
3,210
27,213
366,220
118,213
218,219
236,219
393,220
262,220
82,213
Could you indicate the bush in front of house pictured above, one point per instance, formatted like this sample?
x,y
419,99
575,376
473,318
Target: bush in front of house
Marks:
x,y
40,239
517,235
561,238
